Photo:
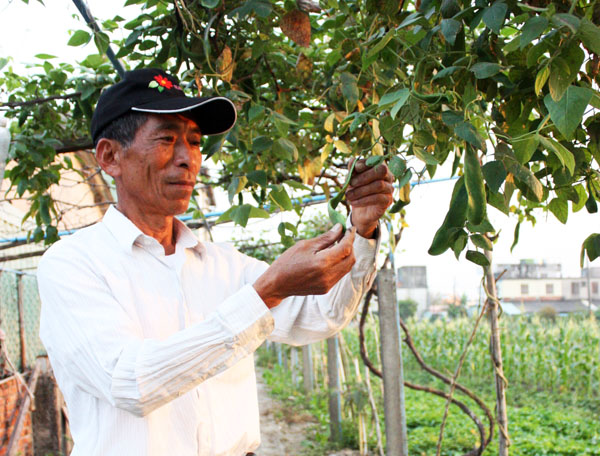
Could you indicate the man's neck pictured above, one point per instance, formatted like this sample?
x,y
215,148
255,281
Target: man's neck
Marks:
x,y
159,227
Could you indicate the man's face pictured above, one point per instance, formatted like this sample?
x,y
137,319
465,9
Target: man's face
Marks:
x,y
156,174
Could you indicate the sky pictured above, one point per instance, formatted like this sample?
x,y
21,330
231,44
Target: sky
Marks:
x,y
27,30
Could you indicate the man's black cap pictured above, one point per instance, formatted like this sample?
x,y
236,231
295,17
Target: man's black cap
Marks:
x,y
154,91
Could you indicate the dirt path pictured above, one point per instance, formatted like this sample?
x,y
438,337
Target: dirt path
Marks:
x,y
283,430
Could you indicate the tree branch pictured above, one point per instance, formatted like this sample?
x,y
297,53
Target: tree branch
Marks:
x,y
35,101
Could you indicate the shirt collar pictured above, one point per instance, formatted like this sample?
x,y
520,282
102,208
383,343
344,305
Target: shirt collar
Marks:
x,y
126,232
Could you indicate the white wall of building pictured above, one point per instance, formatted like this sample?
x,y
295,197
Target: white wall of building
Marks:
x,y
514,289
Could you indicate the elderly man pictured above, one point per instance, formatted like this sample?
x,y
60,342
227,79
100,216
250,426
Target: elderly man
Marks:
x,y
150,332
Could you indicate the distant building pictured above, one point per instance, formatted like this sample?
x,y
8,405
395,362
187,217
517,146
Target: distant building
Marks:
x,y
411,283
531,286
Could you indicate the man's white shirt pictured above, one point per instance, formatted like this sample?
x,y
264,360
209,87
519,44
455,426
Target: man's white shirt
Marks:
x,y
154,353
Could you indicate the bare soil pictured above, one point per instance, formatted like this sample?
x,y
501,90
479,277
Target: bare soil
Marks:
x,y
282,429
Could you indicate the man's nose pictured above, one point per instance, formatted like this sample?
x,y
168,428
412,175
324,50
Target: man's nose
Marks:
x,y
187,156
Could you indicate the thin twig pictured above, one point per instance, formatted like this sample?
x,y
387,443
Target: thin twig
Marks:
x,y
455,377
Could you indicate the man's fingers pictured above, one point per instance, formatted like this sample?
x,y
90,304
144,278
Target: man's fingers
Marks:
x,y
327,239
379,199
379,172
344,247
372,188
360,166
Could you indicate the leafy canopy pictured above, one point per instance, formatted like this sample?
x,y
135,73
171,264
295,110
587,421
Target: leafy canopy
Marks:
x,y
503,91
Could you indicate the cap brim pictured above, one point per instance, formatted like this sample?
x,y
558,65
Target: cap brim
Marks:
x,y
214,116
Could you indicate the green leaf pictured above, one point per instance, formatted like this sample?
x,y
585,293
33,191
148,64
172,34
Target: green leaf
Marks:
x,y
382,43
590,35
494,174
477,258
425,157
286,149
521,173
258,177
591,245
241,214
564,155
45,56
560,78
102,41
236,186
397,166
481,241
452,118
525,147
450,29
566,20
261,143
483,70
399,104
446,72
532,29
405,179
335,216
210,3
467,131
582,198
350,88
374,160
391,98
541,78
79,37
475,188
566,114
45,210
560,208
281,198
493,16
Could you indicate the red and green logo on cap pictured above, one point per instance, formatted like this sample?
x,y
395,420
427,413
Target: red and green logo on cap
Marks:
x,y
161,83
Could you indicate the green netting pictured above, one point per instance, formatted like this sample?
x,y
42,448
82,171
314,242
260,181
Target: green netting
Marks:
x,y
9,316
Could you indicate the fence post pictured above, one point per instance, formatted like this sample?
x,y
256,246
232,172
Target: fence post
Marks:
x,y
307,368
335,400
21,321
279,354
294,364
391,359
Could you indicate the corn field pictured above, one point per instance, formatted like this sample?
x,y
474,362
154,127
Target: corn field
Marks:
x,y
547,363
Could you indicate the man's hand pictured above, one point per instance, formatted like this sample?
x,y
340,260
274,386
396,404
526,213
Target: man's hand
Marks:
x,y
310,267
369,194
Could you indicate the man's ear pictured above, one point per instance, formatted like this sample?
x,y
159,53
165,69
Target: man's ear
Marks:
x,y
108,156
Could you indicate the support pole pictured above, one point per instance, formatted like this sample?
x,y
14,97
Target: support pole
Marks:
x,y
21,322
307,369
391,358
496,349
294,365
335,400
